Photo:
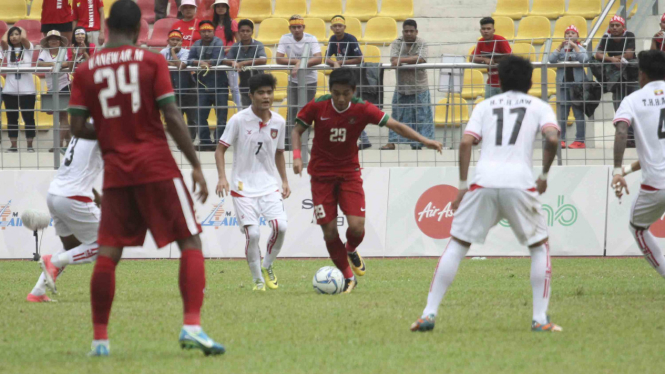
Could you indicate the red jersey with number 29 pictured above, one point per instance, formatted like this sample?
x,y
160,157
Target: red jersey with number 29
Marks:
x,y
122,89
335,148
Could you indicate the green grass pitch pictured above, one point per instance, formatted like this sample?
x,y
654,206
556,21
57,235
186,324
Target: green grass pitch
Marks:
x,y
611,311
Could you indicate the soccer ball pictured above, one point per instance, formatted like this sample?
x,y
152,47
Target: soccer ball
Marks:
x,y
328,280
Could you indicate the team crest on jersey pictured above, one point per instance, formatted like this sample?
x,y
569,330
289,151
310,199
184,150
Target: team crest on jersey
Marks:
x,y
352,120
273,133
658,92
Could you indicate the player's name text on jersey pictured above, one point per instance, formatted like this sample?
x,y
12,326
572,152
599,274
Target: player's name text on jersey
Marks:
x,y
510,102
110,58
659,101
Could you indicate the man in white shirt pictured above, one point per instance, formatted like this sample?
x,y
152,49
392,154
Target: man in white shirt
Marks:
x,y
257,136
72,202
644,110
289,51
503,187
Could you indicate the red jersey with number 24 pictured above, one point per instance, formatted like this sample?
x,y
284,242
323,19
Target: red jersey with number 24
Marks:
x,y
122,89
335,148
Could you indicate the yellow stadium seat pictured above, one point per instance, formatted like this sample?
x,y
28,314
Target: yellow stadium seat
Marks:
x,y
3,118
551,9
324,9
271,30
524,50
282,85
256,10
36,10
474,84
361,9
478,101
536,79
353,27
283,111
43,120
371,53
534,30
453,111
562,24
321,84
40,87
584,8
269,55
601,30
316,27
571,116
233,110
13,11
400,10
504,26
380,30
514,9
287,8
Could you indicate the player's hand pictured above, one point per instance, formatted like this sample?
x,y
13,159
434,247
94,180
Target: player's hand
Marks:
x,y
101,38
98,198
297,166
198,179
458,200
541,186
286,190
619,184
222,188
432,144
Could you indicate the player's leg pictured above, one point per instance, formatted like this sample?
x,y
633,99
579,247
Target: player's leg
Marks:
x,y
352,203
247,212
102,292
647,208
272,209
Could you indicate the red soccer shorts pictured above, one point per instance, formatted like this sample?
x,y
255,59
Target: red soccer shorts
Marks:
x,y
164,207
328,192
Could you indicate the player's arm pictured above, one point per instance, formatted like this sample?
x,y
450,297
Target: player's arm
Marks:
x,y
80,126
280,162
102,26
410,133
620,137
551,135
635,166
465,148
297,132
220,160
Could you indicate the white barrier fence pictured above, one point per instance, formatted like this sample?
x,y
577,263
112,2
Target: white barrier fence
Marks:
x,y
408,214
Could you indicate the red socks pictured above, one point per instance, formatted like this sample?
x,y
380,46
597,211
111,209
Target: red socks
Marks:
x,y
102,290
192,281
352,242
337,253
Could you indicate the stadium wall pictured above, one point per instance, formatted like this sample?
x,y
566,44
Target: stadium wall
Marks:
x,y
408,214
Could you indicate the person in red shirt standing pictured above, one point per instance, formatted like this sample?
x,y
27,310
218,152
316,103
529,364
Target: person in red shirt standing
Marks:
x,y
490,49
57,15
89,14
334,168
189,24
123,88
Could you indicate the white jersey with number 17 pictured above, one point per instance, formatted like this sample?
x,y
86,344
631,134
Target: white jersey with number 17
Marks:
x,y
645,111
508,125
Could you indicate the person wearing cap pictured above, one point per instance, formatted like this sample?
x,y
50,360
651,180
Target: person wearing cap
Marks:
x,y
89,14
213,86
290,50
51,45
182,81
189,24
567,78
246,52
659,37
205,10
160,9
81,49
226,29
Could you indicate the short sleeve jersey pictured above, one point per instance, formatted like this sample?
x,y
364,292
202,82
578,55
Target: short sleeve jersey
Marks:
x,y
255,144
86,14
56,11
78,170
508,124
335,147
122,89
644,110
488,48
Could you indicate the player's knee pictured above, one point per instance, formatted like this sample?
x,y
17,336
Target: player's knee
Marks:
x,y
253,232
356,230
281,227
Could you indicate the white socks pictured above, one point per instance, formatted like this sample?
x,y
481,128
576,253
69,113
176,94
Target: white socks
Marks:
x,y
541,279
275,242
650,249
40,287
252,251
444,275
83,254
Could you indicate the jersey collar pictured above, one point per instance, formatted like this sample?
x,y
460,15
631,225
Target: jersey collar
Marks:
x,y
256,118
333,105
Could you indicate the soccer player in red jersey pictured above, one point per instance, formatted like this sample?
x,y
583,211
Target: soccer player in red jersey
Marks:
x,y
334,168
123,88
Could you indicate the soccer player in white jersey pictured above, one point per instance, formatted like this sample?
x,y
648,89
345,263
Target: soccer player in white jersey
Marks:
x,y
645,111
257,134
71,202
503,187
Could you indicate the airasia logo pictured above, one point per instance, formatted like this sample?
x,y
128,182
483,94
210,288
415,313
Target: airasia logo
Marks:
x,y
658,228
434,212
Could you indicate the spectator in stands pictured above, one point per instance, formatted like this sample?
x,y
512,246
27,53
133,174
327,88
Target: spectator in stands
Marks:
x,y
51,45
81,49
489,50
57,15
213,88
206,12
227,30
657,41
566,79
182,81
19,92
246,52
188,25
89,14
290,49
411,100
160,9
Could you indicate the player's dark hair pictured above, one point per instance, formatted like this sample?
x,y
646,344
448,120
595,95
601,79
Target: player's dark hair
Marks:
x,y
224,21
410,22
652,63
262,80
246,22
486,20
342,76
125,16
515,74
12,55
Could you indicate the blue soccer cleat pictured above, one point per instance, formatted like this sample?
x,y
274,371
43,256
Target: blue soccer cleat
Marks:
x,y
199,340
99,349
424,324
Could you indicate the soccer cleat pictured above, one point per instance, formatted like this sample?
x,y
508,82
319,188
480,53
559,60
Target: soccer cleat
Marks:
x,y
357,263
259,286
548,327
51,272
270,277
349,285
577,145
39,299
200,340
424,324
99,349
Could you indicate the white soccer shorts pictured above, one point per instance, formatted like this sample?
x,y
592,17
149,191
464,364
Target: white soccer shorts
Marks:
x,y
73,217
483,208
250,209
648,207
